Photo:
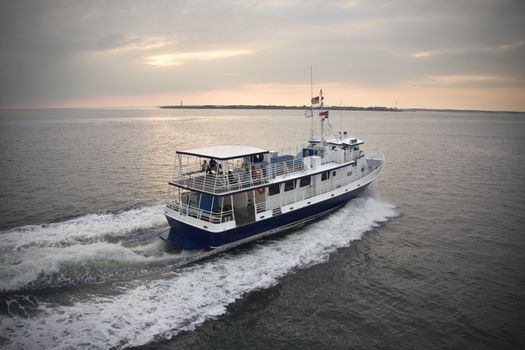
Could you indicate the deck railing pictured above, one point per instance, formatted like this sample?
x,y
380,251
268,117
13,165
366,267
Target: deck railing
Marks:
x,y
284,198
221,180
287,198
217,181
201,214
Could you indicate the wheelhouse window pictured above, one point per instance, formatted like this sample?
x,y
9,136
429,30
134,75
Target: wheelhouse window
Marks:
x,y
325,176
289,185
305,181
274,189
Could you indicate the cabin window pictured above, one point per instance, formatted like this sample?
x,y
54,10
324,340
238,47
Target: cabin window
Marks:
x,y
305,181
362,169
333,174
274,189
325,176
349,173
289,185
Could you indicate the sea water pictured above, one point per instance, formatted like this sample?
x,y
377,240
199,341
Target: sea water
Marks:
x,y
430,256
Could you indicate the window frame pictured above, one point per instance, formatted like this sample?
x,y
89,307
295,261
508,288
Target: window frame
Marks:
x,y
271,189
287,185
303,184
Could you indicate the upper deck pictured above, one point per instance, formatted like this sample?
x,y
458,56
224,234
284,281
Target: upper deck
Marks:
x,y
232,168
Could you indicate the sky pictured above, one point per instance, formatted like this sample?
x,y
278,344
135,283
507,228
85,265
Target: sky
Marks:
x,y
463,54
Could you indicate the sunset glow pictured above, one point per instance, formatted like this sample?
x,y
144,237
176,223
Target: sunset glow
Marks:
x,y
465,55
176,59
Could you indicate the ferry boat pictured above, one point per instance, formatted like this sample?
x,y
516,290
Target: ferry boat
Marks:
x,y
226,195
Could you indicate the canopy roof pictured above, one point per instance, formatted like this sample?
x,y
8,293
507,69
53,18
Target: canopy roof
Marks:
x,y
223,152
350,141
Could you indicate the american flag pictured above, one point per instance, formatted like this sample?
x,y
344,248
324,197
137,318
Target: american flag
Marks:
x,y
323,114
315,100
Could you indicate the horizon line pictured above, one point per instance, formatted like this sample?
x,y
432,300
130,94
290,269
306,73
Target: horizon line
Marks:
x,y
267,106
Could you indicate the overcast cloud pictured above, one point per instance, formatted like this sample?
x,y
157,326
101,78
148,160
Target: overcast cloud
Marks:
x,y
457,54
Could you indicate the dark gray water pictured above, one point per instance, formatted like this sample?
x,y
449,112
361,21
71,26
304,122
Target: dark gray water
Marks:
x,y
433,256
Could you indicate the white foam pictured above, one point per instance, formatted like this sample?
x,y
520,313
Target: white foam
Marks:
x,y
37,267
187,297
85,228
77,250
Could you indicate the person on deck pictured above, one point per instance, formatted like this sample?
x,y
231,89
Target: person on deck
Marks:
x,y
212,166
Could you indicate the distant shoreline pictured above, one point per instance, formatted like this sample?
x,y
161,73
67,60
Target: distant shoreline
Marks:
x,y
334,108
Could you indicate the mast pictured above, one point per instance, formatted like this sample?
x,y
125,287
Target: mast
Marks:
x,y
321,110
341,119
311,104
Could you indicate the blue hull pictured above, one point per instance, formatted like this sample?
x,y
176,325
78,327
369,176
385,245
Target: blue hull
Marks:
x,y
189,237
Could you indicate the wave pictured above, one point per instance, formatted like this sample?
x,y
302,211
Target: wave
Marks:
x,y
186,297
90,248
78,264
84,229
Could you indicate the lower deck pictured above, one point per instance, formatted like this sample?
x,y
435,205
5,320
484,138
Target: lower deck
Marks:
x,y
189,237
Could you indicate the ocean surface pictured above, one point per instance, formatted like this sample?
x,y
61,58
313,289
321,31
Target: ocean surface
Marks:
x,y
432,256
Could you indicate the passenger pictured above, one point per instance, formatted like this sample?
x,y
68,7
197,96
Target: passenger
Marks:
x,y
204,165
212,166
230,177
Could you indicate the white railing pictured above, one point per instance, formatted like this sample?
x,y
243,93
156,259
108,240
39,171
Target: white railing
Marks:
x,y
238,178
326,158
201,214
219,180
379,157
287,198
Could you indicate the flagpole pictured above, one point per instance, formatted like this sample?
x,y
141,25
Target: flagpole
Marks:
x,y
311,104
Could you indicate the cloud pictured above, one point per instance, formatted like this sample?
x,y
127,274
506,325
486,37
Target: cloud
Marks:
x,y
56,51
423,54
471,50
177,59
509,46
459,79
139,43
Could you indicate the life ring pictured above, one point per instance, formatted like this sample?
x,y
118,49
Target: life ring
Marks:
x,y
260,190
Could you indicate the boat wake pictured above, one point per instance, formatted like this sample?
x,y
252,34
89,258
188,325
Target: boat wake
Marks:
x,y
85,229
87,249
180,299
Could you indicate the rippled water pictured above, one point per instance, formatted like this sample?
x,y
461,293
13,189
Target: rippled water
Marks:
x,y
431,256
